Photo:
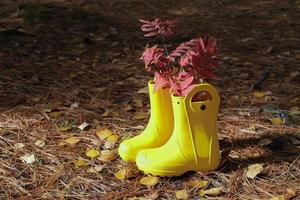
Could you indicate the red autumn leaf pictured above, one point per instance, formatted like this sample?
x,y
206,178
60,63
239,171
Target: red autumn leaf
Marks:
x,y
188,89
186,80
196,58
183,48
175,88
152,55
147,29
158,27
160,82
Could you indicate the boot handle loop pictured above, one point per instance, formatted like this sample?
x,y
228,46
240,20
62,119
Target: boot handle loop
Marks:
x,y
203,87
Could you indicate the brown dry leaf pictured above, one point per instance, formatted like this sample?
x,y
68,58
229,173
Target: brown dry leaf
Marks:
x,y
95,169
140,116
182,194
107,155
109,145
111,141
129,107
143,90
211,192
92,153
254,170
153,196
72,140
149,180
198,183
290,192
104,133
138,103
265,142
80,163
132,171
279,197
35,99
294,74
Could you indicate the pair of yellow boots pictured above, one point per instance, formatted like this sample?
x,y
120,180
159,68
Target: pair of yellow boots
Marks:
x,y
180,136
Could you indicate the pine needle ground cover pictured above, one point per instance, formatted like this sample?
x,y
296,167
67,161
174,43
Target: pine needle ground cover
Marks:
x,y
72,88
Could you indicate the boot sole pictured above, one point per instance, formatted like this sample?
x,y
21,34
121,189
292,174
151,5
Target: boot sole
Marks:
x,y
161,173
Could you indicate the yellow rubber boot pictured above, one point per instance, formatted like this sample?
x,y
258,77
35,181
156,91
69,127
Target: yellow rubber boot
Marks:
x,y
194,144
159,128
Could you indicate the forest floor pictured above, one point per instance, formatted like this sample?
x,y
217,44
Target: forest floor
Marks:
x,y
63,63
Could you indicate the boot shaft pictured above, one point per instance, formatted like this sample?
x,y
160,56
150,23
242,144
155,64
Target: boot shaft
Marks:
x,y
161,108
195,125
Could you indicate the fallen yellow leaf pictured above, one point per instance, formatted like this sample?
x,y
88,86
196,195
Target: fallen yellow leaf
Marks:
x,y
39,143
79,163
261,94
104,133
73,75
128,172
113,138
280,197
278,120
72,140
182,194
107,155
198,183
19,145
54,114
138,198
105,114
94,169
64,128
140,116
254,170
92,153
149,180
129,107
211,192
28,158
121,174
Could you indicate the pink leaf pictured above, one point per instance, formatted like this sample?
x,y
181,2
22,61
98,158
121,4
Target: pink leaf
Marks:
x,y
187,90
148,29
144,21
160,82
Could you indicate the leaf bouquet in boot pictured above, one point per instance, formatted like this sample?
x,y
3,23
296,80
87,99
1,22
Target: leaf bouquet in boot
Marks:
x,y
181,133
